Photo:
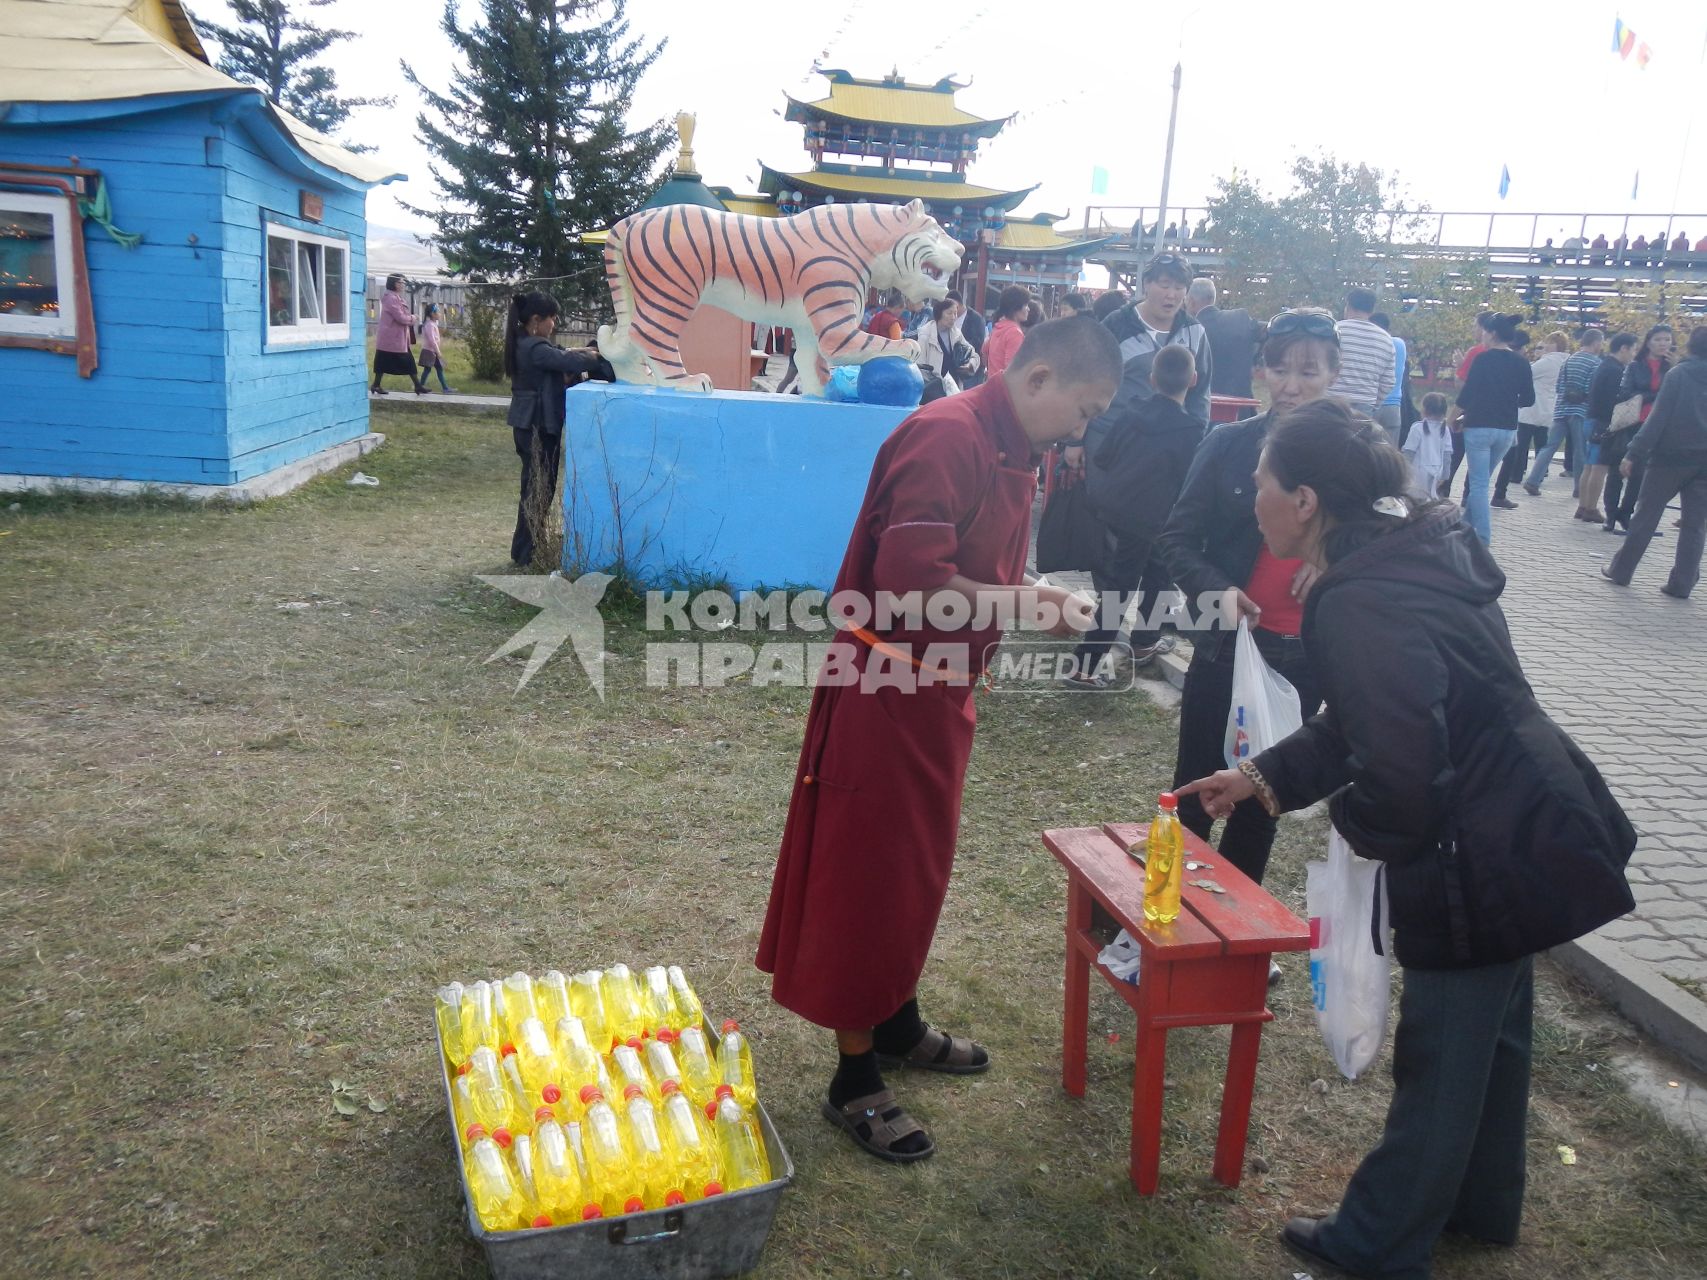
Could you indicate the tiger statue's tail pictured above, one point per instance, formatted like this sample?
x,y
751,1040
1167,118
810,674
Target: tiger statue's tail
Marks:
x,y
635,354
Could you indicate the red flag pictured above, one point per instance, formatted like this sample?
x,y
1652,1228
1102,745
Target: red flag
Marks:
x,y
1643,54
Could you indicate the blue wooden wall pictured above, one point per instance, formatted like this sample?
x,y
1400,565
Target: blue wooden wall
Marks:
x,y
185,390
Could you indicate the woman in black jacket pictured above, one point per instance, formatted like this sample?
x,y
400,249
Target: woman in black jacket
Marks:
x,y
1497,386
1498,836
1642,378
538,372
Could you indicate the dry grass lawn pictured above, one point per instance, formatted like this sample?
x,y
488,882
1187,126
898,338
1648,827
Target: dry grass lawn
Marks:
x,y
243,842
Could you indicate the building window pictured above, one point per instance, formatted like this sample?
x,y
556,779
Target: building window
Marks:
x,y
37,294
308,287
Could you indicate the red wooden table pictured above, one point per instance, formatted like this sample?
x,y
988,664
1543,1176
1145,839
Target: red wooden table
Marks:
x,y
1208,967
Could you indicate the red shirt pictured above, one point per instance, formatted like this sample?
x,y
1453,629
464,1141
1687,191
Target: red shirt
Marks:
x,y
1468,360
1270,588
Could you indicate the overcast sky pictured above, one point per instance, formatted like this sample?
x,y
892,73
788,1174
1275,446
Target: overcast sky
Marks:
x,y
1440,93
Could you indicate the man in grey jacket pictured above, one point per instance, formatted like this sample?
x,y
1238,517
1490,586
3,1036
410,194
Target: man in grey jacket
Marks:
x,y
1672,445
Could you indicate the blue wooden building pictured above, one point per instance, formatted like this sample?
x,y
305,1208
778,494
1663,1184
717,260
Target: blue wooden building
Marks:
x,y
182,264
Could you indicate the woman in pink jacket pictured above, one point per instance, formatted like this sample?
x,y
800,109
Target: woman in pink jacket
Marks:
x,y
1004,340
396,335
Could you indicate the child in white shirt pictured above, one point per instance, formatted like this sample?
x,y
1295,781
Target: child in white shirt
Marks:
x,y
1429,446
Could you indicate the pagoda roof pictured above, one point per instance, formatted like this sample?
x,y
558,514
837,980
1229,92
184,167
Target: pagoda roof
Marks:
x,y
893,101
888,184
1038,235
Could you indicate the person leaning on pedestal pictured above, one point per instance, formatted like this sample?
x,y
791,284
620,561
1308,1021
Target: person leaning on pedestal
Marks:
x,y
537,370
1498,836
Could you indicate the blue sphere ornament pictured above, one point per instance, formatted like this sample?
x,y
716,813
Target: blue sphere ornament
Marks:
x,y
890,380
843,386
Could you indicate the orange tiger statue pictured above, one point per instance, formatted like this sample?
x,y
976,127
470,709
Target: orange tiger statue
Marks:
x,y
809,272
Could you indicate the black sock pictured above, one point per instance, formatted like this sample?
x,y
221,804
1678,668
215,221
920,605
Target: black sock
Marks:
x,y
899,1033
856,1077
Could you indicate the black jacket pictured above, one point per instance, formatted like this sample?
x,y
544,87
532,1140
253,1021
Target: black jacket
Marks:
x,y
1603,391
1500,837
1232,341
1498,385
1639,380
1211,539
536,387
1134,473
1138,350
1676,431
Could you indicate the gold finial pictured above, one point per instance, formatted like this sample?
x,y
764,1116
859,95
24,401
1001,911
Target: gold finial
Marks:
x,y
685,166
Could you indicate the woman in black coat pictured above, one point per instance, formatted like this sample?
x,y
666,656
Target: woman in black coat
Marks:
x,y
1642,377
538,374
1498,836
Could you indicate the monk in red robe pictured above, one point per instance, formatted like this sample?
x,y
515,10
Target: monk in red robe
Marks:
x,y
934,571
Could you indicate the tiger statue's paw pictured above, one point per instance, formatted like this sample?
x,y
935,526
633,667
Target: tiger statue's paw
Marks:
x,y
691,382
907,349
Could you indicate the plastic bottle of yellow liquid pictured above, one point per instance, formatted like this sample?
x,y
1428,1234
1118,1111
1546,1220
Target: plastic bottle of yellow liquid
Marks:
x,y
492,1185
622,1003
687,1002
626,1068
660,1058
740,1146
492,1104
688,1136
587,1002
456,1022
656,1001
581,1063
646,1141
609,1161
1164,863
558,1188
735,1064
537,1059
522,1099
521,1156
551,997
699,1072
484,1016
519,1004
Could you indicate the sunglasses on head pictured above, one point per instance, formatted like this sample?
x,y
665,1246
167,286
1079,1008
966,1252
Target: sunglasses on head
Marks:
x,y
1312,324
1169,263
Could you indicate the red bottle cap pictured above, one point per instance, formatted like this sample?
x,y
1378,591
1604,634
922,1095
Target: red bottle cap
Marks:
x,y
729,1024
551,1093
543,1114
666,1036
1167,800
711,1111
464,1068
725,1091
669,1087
714,1188
633,1091
502,1138
590,1212
506,1049
634,1204
675,1198
633,1042
541,1221
590,1092
474,1132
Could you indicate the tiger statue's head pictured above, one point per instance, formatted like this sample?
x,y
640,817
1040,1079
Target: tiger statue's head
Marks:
x,y
921,260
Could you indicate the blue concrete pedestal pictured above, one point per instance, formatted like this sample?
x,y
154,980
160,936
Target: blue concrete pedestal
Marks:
x,y
735,487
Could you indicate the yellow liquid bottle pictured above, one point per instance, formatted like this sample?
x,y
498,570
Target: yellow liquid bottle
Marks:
x,y
1164,863
494,1188
657,1002
481,1000
740,1147
699,1072
587,1002
558,1189
689,1138
492,1104
687,1000
622,1003
519,1004
456,1023
551,997
616,1185
660,1059
651,1153
627,1067
735,1064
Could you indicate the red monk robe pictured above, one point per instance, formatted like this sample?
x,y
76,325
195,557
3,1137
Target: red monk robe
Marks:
x,y
869,841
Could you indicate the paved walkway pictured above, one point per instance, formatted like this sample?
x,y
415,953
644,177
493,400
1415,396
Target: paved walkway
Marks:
x,y
1625,672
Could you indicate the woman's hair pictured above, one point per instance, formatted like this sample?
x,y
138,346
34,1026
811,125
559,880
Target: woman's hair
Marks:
x,y
1642,351
1350,464
1698,342
431,310
940,308
1015,299
391,281
1299,325
1108,303
1558,340
1033,314
1520,340
1503,328
524,307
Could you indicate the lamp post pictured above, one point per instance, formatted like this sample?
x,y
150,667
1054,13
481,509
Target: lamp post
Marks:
x,y
1167,161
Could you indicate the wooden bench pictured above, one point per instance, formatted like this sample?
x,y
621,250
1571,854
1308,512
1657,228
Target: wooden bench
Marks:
x,y
1208,967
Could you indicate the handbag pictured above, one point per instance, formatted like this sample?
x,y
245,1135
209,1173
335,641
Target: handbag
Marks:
x,y
1070,537
1350,954
1625,414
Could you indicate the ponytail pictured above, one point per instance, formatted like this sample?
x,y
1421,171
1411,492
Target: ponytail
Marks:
x,y
1362,483
523,307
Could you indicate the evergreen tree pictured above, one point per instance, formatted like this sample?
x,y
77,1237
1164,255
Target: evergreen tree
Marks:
x,y
532,144
271,48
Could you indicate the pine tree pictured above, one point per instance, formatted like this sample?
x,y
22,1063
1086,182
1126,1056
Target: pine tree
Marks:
x,y
532,144
271,48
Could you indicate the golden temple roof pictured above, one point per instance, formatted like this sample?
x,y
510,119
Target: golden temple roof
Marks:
x,y
888,188
1038,235
893,101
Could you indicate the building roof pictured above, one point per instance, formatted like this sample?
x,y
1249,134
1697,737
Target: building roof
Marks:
x,y
1038,235
893,101
66,52
932,187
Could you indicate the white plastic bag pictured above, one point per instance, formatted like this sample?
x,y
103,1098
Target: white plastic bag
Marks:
x,y
1121,957
1265,705
1350,954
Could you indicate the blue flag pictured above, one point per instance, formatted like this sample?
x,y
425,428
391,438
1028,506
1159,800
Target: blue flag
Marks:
x,y
1099,180
1505,181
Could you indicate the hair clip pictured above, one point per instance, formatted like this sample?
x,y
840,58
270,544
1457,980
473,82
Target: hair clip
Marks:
x,y
1391,506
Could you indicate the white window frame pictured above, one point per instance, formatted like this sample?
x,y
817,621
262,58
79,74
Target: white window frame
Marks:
x,y
304,331
63,325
